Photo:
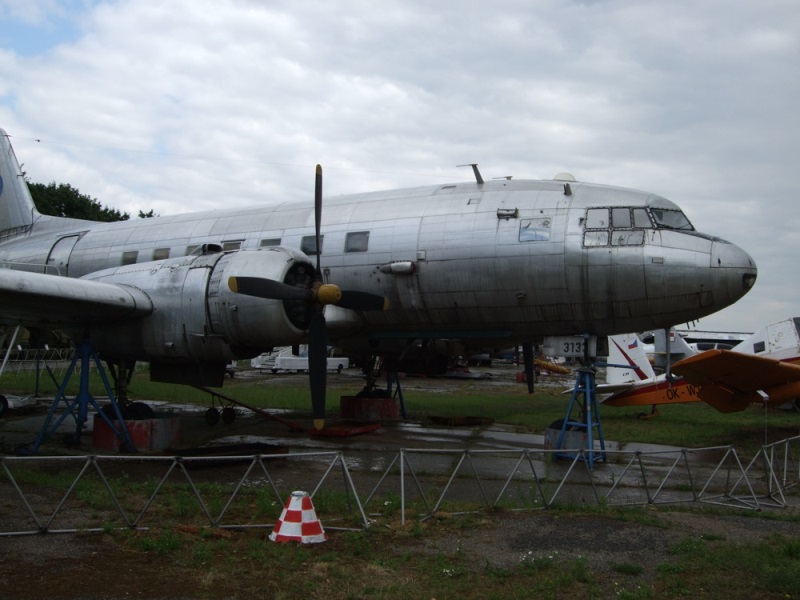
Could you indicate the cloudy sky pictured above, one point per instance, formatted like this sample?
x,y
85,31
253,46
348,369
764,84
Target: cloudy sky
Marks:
x,y
186,104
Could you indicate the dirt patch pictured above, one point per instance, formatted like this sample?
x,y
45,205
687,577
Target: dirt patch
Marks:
x,y
101,566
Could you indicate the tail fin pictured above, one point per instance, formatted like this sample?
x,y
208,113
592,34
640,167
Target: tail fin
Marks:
x,y
17,211
678,348
627,360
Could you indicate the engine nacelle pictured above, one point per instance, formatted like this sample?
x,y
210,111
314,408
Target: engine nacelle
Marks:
x,y
196,318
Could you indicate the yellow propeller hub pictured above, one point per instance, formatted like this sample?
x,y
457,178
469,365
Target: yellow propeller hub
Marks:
x,y
329,294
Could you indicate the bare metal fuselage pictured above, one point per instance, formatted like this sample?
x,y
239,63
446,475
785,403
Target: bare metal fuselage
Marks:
x,y
499,262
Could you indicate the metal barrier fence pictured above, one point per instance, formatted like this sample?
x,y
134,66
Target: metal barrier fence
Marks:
x,y
97,493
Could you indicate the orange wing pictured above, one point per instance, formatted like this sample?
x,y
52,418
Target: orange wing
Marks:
x,y
730,381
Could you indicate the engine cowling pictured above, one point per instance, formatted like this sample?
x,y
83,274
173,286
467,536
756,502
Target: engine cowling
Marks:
x,y
196,318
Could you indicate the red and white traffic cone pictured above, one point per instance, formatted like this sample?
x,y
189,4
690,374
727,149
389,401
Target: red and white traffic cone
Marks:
x,y
299,522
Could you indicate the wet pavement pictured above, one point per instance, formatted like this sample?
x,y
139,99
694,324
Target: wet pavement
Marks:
x,y
479,461
493,454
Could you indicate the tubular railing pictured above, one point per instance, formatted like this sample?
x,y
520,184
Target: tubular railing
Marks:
x,y
69,494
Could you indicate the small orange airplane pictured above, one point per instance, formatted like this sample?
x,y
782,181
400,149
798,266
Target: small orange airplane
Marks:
x,y
763,368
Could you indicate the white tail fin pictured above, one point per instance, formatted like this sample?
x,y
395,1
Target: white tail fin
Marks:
x,y
17,211
627,361
678,348
779,340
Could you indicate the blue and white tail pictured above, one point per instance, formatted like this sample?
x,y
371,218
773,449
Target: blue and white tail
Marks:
x,y
627,360
17,211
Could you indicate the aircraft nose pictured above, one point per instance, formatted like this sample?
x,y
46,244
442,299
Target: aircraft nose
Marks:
x,y
740,268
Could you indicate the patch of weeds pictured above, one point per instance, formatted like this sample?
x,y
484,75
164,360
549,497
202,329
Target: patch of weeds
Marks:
x,y
529,561
265,503
671,569
642,516
202,554
417,529
496,572
687,546
444,566
161,542
391,504
357,544
673,578
332,503
257,551
580,570
627,569
109,528
640,592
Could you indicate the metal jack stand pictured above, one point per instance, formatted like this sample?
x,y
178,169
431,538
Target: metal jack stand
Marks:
x,y
78,408
584,395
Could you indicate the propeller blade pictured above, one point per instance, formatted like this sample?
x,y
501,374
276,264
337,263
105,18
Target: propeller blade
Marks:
x,y
318,215
317,367
362,301
268,288
527,360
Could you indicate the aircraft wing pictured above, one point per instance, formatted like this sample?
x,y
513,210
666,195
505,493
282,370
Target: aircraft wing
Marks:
x,y
38,300
730,381
612,388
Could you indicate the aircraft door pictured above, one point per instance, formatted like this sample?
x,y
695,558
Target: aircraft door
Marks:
x,y
58,259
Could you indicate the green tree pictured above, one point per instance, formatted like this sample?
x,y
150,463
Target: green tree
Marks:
x,y
63,200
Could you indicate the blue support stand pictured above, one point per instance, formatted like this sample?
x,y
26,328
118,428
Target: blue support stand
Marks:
x,y
78,407
584,396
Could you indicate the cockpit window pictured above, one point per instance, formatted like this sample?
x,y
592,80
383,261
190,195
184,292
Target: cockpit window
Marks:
x,y
671,219
624,226
641,218
597,218
621,217
618,226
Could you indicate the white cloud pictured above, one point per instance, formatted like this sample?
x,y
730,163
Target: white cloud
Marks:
x,y
187,104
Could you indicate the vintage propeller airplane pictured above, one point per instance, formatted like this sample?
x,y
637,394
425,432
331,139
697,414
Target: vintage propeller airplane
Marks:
x,y
489,263
764,368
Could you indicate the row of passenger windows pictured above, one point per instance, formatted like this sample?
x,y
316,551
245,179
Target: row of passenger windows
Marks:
x,y
619,226
355,241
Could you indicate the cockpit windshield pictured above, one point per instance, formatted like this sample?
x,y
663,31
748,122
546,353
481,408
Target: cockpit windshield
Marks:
x,y
626,225
670,219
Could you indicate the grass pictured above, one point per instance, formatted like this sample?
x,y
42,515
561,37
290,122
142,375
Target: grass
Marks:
x,y
683,425
391,561
387,563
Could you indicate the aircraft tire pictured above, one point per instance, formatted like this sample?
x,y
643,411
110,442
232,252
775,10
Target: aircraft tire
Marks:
x,y
339,369
3,405
228,415
212,416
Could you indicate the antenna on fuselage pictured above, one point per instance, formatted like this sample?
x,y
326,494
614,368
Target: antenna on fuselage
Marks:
x,y
507,177
474,166
567,177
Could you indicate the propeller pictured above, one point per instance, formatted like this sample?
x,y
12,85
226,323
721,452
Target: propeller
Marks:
x,y
317,296
317,338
